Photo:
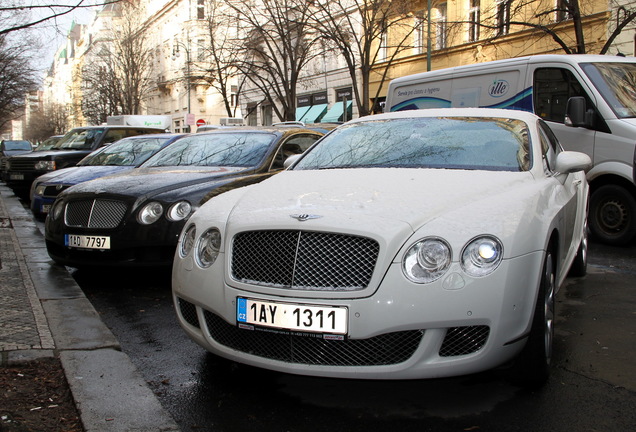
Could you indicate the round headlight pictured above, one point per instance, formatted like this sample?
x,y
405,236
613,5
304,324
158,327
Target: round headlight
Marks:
x,y
427,260
56,211
187,241
179,211
208,247
482,256
150,213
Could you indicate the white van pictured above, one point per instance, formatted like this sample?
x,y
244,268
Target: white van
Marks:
x,y
599,95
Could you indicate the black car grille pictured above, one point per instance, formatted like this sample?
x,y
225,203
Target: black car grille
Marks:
x,y
23,164
304,260
53,191
464,340
385,349
94,213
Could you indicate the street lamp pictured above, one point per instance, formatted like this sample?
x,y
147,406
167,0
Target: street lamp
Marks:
x,y
175,55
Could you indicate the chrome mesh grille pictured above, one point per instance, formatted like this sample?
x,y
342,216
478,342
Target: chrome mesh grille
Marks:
x,y
304,260
97,213
386,349
188,312
464,340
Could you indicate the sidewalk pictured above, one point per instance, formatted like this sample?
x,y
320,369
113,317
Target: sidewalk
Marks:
x,y
44,313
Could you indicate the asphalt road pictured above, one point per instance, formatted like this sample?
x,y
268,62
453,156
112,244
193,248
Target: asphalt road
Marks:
x,y
592,388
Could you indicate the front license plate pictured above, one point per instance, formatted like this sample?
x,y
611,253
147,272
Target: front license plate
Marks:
x,y
87,242
16,176
45,208
294,317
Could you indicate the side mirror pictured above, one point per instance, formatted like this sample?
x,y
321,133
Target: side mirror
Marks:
x,y
291,160
577,114
571,161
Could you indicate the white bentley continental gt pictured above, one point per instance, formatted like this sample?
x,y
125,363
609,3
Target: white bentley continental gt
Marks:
x,y
417,244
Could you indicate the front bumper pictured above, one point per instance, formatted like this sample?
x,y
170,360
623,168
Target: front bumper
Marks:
x,y
401,331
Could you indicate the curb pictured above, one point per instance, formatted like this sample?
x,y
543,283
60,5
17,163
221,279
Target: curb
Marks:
x,y
109,392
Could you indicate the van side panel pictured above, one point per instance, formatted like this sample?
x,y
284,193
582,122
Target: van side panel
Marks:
x,y
496,89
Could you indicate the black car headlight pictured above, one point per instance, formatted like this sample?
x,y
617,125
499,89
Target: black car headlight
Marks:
x,y
150,213
45,165
57,210
427,260
179,211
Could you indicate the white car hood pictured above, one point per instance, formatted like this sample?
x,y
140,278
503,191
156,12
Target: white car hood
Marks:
x,y
384,201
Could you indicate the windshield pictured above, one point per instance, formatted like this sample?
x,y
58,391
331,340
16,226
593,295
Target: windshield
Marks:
x,y
17,145
125,152
492,144
80,139
239,149
617,84
48,144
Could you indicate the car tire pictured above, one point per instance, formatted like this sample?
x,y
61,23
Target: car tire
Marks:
x,y
579,265
612,215
531,368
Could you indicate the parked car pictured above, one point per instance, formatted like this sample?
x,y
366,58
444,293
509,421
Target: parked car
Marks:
x,y
135,218
77,143
11,148
124,155
417,244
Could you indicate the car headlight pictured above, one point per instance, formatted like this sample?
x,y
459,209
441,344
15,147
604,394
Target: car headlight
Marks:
x,y
57,210
208,247
39,190
481,256
187,241
45,165
427,260
150,213
179,211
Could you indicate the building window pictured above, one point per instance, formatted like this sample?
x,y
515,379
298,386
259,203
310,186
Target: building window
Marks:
x,y
474,18
441,26
234,96
419,33
200,9
562,10
383,51
503,17
200,50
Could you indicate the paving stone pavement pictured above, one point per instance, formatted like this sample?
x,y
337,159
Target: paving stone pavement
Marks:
x,y
23,325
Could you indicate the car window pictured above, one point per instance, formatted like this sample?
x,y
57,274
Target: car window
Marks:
x,y
296,144
125,152
80,139
550,147
16,145
493,144
238,149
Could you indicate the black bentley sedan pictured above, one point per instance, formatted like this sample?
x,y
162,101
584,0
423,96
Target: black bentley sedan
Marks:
x,y
135,218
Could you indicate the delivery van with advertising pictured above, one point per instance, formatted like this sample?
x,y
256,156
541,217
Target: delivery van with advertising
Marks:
x,y
589,101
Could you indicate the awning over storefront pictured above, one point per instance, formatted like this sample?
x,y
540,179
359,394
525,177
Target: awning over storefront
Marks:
x,y
301,111
335,113
314,114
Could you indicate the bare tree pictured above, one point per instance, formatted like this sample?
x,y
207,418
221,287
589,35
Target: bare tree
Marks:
x,y
118,75
51,120
276,47
563,21
17,15
217,65
17,78
367,33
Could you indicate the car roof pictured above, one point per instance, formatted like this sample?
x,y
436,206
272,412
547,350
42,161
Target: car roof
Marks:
x,y
259,129
452,112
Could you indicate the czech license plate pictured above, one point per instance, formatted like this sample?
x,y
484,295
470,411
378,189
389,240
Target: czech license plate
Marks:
x,y
294,317
16,176
87,242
